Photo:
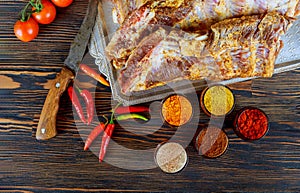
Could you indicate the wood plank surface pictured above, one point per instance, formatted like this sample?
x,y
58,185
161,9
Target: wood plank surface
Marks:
x,y
60,164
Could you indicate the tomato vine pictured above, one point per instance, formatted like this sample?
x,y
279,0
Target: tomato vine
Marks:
x,y
36,12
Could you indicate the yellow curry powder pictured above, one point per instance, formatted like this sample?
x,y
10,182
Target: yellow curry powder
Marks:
x,y
177,110
218,100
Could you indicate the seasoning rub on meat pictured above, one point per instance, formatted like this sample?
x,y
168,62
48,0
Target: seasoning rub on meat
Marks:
x,y
207,11
238,47
189,15
161,41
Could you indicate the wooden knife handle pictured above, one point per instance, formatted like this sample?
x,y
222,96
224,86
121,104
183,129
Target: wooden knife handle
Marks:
x,y
46,128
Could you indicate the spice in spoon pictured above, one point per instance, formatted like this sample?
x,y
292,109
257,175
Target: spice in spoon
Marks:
x,y
217,100
211,142
171,157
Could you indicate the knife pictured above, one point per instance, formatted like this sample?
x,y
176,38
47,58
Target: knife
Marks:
x,y
46,128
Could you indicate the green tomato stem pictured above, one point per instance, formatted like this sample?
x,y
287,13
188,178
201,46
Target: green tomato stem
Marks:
x,y
27,10
24,15
39,6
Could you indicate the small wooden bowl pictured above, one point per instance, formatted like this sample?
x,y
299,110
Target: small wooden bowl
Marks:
x,y
211,142
171,157
189,115
204,108
241,133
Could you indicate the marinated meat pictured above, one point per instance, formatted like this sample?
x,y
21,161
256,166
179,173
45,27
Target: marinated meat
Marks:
x,y
238,47
215,10
122,8
141,23
297,12
207,12
135,66
190,15
128,36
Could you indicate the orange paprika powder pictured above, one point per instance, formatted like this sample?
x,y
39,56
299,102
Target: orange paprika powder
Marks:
x,y
177,110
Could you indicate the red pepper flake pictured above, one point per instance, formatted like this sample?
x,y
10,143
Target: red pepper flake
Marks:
x,y
251,123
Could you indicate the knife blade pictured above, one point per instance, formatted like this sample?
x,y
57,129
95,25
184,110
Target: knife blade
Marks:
x,y
46,128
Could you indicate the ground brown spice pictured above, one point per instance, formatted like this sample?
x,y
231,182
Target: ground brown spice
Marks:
x,y
211,142
177,110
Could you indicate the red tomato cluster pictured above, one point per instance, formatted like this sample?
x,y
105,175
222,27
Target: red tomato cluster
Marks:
x,y
42,12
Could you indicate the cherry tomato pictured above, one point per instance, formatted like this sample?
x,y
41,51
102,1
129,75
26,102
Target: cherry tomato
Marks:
x,y
62,3
26,30
47,14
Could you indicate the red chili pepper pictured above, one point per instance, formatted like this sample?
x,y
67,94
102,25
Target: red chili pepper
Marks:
x,y
76,103
89,102
107,135
105,140
131,109
93,134
92,73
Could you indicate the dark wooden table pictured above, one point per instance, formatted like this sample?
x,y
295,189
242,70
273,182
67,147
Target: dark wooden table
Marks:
x,y
60,164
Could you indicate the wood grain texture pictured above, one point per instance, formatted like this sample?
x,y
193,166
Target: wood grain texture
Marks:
x,y
60,164
46,128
